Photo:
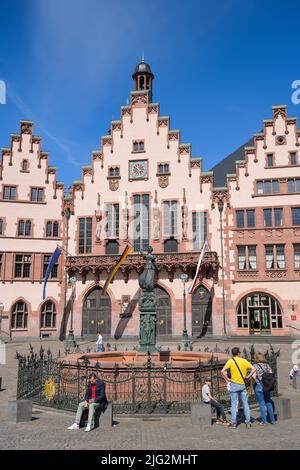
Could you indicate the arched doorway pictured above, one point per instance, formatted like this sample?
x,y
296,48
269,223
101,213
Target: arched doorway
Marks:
x,y
96,314
259,312
164,312
201,312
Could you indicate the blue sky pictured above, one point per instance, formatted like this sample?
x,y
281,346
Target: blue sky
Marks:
x,y
219,67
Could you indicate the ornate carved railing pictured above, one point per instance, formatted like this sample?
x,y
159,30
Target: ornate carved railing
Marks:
x,y
186,262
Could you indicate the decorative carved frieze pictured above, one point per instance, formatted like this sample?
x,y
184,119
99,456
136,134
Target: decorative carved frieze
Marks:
x,y
195,164
206,179
88,171
97,155
106,140
68,203
247,274
116,126
126,111
173,135
114,184
186,262
153,109
163,122
44,155
184,149
163,181
276,274
220,196
296,232
281,111
139,99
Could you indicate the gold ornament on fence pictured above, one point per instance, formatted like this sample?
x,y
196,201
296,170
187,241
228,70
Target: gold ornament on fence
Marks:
x,y
49,389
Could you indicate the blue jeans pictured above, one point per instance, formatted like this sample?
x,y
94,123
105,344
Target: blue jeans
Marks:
x,y
99,347
236,389
264,400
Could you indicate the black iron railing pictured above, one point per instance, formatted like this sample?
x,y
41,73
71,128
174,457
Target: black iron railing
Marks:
x,y
146,388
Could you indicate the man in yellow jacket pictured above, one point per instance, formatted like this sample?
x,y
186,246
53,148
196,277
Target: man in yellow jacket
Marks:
x,y
240,370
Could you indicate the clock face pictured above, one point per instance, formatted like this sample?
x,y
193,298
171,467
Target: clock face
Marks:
x,y
138,169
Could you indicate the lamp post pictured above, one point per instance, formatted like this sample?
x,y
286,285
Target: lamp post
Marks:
x,y
67,215
70,341
184,339
1,311
221,207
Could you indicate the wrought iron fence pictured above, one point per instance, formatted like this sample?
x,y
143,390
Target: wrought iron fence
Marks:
x,y
146,388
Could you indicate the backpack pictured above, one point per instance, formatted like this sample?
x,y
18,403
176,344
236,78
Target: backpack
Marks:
x,y
267,380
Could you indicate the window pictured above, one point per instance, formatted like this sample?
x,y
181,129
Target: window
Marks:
x,y
48,315
36,194
270,159
297,255
25,165
293,158
54,270
170,211
22,266
141,222
199,221
250,218
170,245
24,228
19,315
163,168
1,261
247,257
295,215
85,235
274,257
9,193
268,217
1,227
240,219
267,186
278,217
114,171
138,146
112,221
52,229
294,185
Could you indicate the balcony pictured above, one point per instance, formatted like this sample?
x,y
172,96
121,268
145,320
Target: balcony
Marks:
x,y
185,262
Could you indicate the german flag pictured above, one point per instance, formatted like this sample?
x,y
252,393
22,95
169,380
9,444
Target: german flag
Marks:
x,y
126,252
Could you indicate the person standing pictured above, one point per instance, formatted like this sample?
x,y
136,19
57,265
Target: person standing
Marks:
x,y
240,371
94,398
99,342
263,396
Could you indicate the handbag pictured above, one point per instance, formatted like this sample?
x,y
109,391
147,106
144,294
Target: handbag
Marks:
x,y
267,380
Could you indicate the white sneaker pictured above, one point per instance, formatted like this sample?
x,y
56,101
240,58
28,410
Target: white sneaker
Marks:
x,y
74,426
88,428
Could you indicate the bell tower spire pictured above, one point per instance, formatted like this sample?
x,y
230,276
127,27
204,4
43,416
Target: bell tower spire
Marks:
x,y
143,77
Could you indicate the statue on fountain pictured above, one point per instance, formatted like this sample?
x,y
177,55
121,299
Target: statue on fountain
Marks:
x,y
147,304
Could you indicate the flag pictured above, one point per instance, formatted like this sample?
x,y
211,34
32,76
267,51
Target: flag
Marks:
x,y
195,280
126,252
52,262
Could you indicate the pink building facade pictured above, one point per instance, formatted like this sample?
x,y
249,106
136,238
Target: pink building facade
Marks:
x,y
144,187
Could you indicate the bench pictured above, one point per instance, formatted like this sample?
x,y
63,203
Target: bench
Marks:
x,y
201,413
103,418
17,411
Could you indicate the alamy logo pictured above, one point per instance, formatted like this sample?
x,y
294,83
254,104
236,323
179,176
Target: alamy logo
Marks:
x,y
2,92
296,93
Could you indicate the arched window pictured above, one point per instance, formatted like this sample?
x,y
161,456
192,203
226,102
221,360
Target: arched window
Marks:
x,y
48,315
259,312
19,315
24,228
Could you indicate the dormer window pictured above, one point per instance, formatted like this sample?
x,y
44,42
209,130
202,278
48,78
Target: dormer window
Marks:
x,y
163,168
138,146
114,172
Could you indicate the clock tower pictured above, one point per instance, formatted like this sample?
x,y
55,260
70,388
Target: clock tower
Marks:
x,y
143,78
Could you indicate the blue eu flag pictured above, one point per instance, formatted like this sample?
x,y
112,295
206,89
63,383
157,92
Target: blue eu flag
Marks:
x,y
52,262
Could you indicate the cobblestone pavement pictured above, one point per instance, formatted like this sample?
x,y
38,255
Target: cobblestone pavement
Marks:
x,y
48,428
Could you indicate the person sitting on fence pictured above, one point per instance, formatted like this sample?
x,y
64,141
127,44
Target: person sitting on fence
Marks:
x,y
210,400
240,370
99,343
94,398
264,380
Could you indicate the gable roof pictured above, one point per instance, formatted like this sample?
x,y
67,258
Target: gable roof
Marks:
x,y
228,164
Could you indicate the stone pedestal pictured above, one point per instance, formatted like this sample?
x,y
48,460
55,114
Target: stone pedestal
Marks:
x,y
296,382
104,419
19,411
282,407
200,413
147,307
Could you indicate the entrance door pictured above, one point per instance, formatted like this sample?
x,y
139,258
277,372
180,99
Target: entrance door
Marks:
x,y
201,312
259,320
96,313
164,312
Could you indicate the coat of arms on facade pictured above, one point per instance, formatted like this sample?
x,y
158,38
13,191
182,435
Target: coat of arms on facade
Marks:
x,y
113,184
49,389
163,181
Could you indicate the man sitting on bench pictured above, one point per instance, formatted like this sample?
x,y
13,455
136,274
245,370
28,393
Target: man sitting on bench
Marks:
x,y
94,398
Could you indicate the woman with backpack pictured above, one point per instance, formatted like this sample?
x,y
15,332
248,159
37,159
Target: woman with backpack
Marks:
x,y
263,384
